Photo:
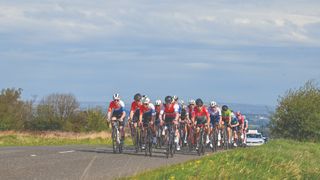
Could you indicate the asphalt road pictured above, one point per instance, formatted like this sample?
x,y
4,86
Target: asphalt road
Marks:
x,y
79,162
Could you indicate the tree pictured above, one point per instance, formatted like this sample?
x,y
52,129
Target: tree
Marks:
x,y
297,115
13,111
56,112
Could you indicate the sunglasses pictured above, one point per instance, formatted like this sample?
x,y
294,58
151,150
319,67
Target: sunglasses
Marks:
x,y
117,100
145,103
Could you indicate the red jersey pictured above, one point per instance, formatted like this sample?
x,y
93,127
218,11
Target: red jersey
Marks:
x,y
135,106
240,119
116,107
203,111
171,110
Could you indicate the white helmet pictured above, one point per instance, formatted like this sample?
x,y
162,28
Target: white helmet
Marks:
x,y
146,100
192,101
213,103
158,102
175,97
116,96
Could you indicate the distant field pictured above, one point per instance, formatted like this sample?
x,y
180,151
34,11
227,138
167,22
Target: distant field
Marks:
x,y
11,138
279,159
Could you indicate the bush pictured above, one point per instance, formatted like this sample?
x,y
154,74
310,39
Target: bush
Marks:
x,y
297,115
14,112
95,120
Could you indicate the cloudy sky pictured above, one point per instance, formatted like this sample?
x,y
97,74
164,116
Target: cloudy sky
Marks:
x,y
232,51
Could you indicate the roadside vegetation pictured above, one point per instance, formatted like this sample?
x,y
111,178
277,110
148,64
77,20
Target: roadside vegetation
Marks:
x,y
278,159
13,138
297,115
55,112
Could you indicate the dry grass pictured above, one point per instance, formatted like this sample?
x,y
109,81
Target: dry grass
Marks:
x,y
59,134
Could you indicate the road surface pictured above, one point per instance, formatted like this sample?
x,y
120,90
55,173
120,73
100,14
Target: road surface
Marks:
x,y
79,162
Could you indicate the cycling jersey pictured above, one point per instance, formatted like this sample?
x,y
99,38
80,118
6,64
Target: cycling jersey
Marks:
x,y
159,111
116,108
200,114
135,107
190,110
147,112
184,114
234,121
225,115
240,118
215,114
170,112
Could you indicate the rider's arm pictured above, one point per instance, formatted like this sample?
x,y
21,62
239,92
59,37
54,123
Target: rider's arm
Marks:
x,y
176,110
109,111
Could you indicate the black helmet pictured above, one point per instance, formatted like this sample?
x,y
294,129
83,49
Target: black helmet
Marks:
x,y
137,97
168,99
225,107
199,102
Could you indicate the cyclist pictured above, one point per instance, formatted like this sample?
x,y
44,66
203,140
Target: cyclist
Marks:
x,y
171,114
240,118
200,117
226,120
158,118
215,120
245,129
191,106
135,109
147,115
116,112
183,121
235,128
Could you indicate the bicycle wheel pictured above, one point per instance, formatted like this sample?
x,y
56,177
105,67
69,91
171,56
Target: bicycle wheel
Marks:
x,y
114,139
146,143
204,136
120,145
150,141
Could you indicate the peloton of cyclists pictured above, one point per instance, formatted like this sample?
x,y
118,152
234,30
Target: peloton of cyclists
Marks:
x,y
186,120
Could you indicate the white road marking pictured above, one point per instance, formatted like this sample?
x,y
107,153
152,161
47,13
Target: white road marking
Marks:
x,y
63,152
33,155
85,172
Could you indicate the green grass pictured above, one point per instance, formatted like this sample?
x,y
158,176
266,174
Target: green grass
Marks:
x,y
279,159
34,140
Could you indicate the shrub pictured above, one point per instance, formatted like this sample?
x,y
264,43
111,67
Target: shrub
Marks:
x,y
297,115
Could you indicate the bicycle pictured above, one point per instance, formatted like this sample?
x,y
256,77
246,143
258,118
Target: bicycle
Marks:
x,y
135,135
117,142
201,140
170,140
191,138
148,141
225,135
183,134
159,135
214,138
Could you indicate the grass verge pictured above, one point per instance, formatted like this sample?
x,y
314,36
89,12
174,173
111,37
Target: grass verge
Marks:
x,y
11,138
279,159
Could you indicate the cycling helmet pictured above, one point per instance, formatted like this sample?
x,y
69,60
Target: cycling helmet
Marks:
x,y
137,97
225,107
158,102
213,103
192,102
199,102
168,99
175,98
116,96
146,100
